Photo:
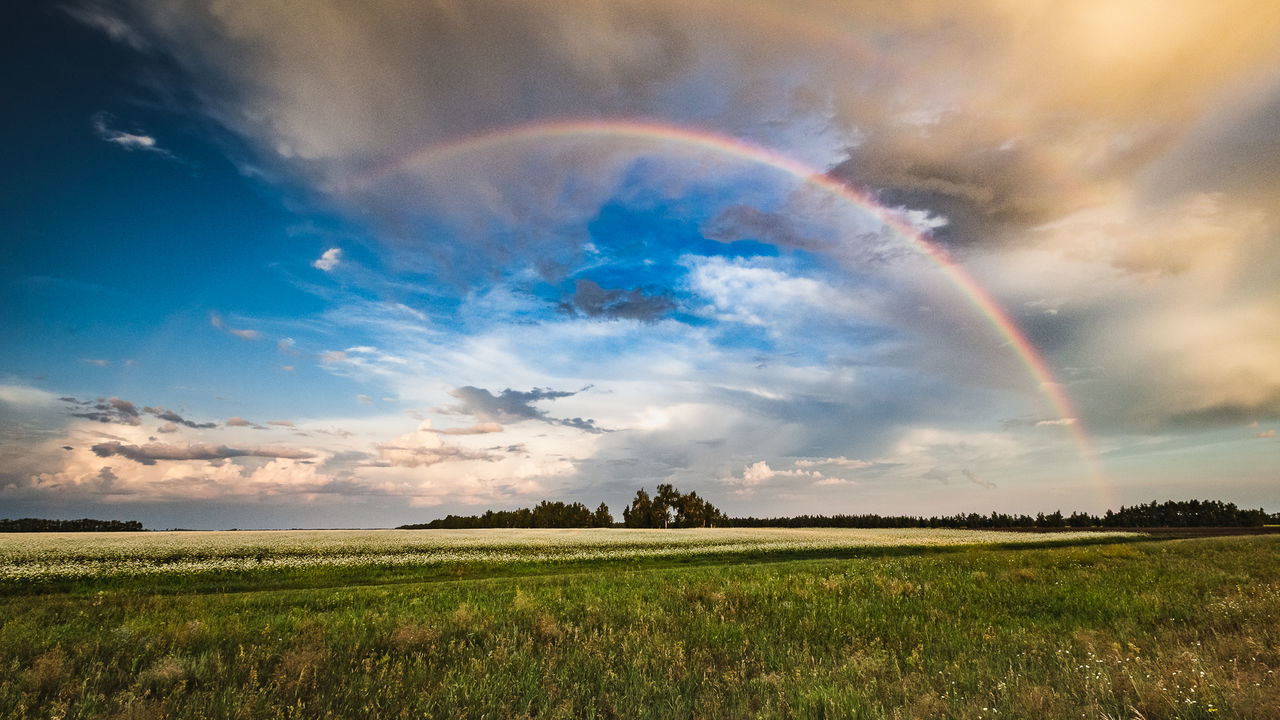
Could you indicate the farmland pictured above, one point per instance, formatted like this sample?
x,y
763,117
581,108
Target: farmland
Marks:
x,y
612,623
191,556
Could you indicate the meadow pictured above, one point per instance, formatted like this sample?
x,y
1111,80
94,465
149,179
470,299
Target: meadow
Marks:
x,y
614,623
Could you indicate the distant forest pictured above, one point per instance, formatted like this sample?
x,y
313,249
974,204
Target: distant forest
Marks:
x,y
545,515
82,525
1171,513
669,508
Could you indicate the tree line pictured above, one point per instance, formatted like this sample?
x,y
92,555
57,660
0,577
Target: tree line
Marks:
x,y
546,514
1171,513
670,508
81,525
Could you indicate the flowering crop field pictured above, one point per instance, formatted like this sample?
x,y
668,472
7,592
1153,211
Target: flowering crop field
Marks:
x,y
639,624
33,557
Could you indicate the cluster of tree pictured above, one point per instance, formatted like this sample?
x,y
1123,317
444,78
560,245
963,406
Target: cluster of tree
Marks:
x,y
670,508
1188,513
1171,513
82,525
545,515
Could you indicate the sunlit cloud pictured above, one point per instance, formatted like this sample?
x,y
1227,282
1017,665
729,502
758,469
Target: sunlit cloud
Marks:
x,y
328,260
151,453
244,334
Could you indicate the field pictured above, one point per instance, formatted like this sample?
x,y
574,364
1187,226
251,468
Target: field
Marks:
x,y
614,623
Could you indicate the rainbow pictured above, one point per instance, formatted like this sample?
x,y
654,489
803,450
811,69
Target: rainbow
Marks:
x,y
668,134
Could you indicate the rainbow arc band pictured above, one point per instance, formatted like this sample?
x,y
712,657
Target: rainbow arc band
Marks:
x,y
676,135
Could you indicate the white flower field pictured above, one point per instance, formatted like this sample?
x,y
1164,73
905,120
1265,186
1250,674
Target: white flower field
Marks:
x,y
68,556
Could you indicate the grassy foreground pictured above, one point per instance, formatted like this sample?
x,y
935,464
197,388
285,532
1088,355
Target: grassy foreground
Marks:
x,y
1163,629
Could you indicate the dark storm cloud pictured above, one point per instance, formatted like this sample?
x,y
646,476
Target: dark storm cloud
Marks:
x,y
581,424
984,189
174,417
150,453
1234,150
744,222
108,410
1225,414
591,300
511,406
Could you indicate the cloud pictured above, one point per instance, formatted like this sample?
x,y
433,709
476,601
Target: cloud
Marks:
x,y
239,422
26,396
745,222
937,474
1038,422
477,429
512,406
841,462
423,448
1052,108
110,410
174,417
328,260
364,399
757,292
99,16
578,423
589,299
95,361
150,453
397,456
216,320
1051,102
835,481
976,480
760,473
128,141
282,423
287,346
1266,434
1099,170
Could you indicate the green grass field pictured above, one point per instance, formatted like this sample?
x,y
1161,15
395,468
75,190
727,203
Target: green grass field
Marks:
x,y
608,623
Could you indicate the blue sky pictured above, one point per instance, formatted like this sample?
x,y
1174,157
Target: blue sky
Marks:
x,y
240,289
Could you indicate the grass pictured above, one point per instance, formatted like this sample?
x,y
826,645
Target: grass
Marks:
x,y
1157,629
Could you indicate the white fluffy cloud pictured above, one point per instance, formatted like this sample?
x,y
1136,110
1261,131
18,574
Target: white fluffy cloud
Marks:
x,y
328,260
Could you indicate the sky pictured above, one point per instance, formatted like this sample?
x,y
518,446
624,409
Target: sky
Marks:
x,y
333,264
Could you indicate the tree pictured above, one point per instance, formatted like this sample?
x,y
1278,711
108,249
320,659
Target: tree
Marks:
x,y
666,504
670,508
640,513
602,517
691,511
